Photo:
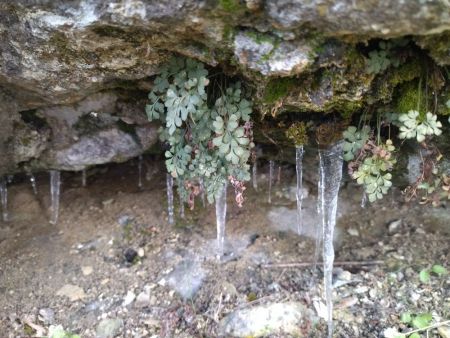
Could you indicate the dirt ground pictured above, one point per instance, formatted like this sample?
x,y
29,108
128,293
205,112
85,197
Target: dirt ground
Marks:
x,y
112,255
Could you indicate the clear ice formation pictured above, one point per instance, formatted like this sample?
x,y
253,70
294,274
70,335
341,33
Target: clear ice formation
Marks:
x,y
55,186
33,183
4,198
221,214
364,200
271,168
255,175
182,215
83,178
170,212
330,167
202,192
140,161
299,191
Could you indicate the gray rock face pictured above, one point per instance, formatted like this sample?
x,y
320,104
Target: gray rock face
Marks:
x,y
106,146
363,17
272,57
264,320
62,58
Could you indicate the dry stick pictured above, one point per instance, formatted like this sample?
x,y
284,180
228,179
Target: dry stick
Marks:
x,y
307,264
434,326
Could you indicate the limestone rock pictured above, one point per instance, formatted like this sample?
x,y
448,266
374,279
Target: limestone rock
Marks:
x,y
109,328
263,320
73,292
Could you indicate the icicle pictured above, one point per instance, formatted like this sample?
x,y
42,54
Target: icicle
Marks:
x,y
4,198
170,213
299,191
330,178
55,184
140,160
279,175
221,214
33,182
271,168
255,176
182,215
83,178
202,192
364,200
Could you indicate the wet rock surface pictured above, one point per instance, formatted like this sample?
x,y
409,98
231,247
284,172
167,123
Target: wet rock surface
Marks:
x,y
39,259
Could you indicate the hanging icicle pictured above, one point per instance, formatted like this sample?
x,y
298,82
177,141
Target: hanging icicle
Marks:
x,y
4,198
202,192
182,214
255,175
364,200
299,191
83,178
271,168
140,160
170,212
279,175
55,185
32,179
331,160
221,214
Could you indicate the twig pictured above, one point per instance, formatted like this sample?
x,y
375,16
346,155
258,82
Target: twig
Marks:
x,y
307,264
447,322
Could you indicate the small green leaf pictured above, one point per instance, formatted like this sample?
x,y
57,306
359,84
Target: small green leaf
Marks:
x,y
422,320
406,318
439,270
424,276
415,335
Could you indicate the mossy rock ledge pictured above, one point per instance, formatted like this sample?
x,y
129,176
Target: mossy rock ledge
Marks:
x,y
74,75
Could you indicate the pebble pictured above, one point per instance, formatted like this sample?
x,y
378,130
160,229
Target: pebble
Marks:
x,y
394,226
73,292
444,331
142,300
109,328
130,254
141,252
129,298
47,316
87,270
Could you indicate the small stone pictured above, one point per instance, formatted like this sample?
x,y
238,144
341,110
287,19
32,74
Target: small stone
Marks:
x,y
87,270
353,232
47,316
125,219
129,298
108,202
444,331
361,289
394,226
73,292
141,252
109,328
142,300
265,320
130,254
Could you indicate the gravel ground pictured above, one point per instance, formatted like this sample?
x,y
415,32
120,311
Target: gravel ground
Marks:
x,y
112,265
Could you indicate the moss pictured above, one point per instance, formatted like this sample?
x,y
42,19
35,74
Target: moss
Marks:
x,y
231,6
407,98
277,89
347,108
297,133
260,38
